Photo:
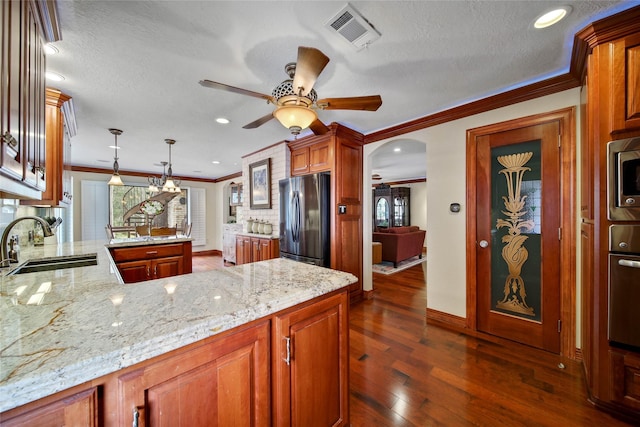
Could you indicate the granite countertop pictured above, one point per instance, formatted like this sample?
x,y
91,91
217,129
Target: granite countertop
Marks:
x,y
66,327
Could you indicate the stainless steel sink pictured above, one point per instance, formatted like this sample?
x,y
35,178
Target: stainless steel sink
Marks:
x,y
56,263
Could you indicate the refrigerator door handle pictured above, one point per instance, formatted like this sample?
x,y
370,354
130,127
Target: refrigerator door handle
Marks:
x,y
295,217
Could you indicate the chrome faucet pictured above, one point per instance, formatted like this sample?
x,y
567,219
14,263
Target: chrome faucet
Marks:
x,y
4,257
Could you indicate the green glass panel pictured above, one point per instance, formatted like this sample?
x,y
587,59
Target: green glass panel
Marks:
x,y
516,194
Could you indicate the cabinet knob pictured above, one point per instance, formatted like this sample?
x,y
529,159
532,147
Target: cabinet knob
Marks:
x,y
483,243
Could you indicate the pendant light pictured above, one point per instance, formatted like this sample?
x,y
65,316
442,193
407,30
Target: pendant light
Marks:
x,y
115,178
170,185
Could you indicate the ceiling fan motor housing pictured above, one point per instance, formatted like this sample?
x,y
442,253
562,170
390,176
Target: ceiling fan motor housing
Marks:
x,y
286,89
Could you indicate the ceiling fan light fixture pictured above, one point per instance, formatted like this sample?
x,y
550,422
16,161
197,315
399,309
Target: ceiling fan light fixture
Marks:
x,y
295,117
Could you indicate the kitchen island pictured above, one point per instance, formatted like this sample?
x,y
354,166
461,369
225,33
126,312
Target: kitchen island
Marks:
x,y
86,334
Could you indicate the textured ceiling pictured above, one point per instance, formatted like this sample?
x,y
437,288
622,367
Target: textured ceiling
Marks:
x,y
135,65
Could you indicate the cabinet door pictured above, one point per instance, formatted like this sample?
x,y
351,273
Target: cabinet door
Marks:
x,y
256,249
625,97
79,409
300,161
320,157
222,383
310,366
166,267
10,71
243,250
135,271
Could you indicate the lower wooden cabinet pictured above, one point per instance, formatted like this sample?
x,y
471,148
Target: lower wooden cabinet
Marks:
x,y
223,383
311,365
140,263
287,369
253,249
77,408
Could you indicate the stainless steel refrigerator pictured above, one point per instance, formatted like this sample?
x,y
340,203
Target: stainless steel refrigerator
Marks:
x,y
305,218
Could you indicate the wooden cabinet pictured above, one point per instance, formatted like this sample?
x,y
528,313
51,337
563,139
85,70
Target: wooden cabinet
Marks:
x,y
287,369
338,152
71,408
625,82
311,159
612,111
22,99
60,127
310,365
253,249
140,263
222,383
391,206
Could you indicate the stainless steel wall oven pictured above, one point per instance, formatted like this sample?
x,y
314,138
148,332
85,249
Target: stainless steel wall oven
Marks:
x,y
624,284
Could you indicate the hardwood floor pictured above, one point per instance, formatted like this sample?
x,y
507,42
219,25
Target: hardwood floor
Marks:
x,y
404,372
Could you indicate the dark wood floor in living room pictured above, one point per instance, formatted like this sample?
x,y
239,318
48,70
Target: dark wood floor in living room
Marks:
x,y
404,372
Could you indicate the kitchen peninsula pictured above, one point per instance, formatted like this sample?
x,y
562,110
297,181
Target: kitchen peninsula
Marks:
x,y
238,343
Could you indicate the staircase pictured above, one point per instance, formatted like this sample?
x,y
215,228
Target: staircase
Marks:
x,y
132,200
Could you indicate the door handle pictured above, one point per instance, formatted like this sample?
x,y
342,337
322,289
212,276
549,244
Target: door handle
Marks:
x,y
483,244
629,263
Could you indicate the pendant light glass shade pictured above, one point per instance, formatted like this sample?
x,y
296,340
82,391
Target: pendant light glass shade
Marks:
x,y
166,182
115,178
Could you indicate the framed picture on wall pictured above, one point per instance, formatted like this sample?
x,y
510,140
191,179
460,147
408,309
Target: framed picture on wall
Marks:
x,y
260,184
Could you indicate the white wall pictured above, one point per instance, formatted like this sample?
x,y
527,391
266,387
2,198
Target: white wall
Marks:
x,y
446,183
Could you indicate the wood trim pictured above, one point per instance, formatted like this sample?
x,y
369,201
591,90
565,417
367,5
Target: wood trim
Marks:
x,y
611,28
566,118
403,182
441,318
227,177
212,252
525,93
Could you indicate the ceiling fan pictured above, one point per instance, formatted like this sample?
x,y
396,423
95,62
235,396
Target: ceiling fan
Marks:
x,y
295,99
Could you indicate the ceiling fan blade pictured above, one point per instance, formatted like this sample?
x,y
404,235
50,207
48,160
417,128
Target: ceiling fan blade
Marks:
x,y
310,64
368,103
318,127
256,123
222,86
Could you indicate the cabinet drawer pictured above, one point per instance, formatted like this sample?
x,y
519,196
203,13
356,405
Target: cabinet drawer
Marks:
x,y
146,252
626,378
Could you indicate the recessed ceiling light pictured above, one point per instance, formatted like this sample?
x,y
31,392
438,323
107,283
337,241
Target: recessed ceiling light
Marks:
x,y
115,147
552,17
216,162
55,77
50,49
397,149
222,120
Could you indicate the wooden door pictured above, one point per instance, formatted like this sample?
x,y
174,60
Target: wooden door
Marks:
x,y
166,267
222,383
518,226
310,366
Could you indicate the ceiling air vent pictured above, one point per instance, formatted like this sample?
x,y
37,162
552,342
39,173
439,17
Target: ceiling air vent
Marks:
x,y
349,24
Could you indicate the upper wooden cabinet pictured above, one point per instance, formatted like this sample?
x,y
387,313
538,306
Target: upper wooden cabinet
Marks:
x,y
625,81
236,196
339,152
60,128
22,99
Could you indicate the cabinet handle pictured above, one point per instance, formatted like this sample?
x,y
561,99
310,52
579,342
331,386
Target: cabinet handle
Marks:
x,y
148,272
136,415
155,271
152,252
287,359
9,139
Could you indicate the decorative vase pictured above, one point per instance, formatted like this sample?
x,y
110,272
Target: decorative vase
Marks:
x,y
254,228
260,227
249,225
268,228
